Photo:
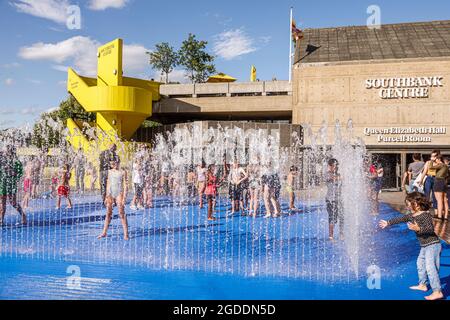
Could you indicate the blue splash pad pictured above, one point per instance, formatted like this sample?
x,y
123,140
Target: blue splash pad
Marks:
x,y
174,254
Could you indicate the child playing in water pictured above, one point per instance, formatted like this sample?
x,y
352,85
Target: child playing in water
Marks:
x,y
212,184
27,184
190,180
421,222
116,191
290,182
333,199
93,176
54,184
201,182
148,184
63,188
254,182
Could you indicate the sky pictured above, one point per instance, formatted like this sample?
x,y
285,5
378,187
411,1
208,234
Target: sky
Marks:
x,y
37,45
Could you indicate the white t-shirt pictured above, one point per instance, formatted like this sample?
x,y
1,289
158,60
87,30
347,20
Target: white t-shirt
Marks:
x,y
201,174
137,173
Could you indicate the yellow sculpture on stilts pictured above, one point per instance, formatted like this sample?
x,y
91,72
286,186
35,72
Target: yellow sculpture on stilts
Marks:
x,y
121,104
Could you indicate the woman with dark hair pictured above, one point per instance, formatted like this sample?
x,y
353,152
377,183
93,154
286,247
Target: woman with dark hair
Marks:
x,y
428,262
440,185
428,177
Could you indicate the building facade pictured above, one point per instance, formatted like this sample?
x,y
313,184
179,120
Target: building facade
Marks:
x,y
392,82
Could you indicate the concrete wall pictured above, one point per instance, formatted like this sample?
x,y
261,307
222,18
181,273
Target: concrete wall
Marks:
x,y
228,89
330,91
226,104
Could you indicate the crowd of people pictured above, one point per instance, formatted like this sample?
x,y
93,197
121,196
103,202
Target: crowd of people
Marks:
x,y
426,184
432,179
252,190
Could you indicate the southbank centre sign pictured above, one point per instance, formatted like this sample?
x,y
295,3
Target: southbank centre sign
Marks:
x,y
404,88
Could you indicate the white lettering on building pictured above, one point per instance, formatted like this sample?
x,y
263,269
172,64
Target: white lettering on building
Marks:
x,y
405,134
404,88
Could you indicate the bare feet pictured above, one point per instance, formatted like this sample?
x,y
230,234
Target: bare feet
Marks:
x,y
212,219
268,215
436,295
103,235
420,287
126,238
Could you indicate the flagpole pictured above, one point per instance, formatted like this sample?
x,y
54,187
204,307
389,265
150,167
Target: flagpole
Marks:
x,y
290,46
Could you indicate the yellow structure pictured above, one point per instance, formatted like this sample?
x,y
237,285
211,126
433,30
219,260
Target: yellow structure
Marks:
x,y
253,74
220,77
121,103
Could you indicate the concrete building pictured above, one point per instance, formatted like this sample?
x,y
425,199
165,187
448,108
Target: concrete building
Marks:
x,y
393,82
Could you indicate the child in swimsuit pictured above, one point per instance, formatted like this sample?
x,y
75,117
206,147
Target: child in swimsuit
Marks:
x,y
212,184
116,191
27,184
293,171
63,188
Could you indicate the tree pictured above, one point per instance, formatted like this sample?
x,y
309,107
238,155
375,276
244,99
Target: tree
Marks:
x,y
70,108
197,62
47,131
164,58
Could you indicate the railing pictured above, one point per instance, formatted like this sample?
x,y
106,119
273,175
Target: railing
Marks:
x,y
230,89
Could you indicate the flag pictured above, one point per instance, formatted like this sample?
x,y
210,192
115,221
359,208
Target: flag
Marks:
x,y
253,74
297,34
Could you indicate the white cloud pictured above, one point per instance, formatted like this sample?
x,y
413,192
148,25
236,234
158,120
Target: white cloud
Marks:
x,y
176,75
7,111
22,111
81,53
34,81
32,111
105,4
265,39
51,109
62,83
135,58
9,81
54,10
11,65
232,44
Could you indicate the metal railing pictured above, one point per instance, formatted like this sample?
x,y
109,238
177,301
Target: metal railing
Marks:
x,y
230,89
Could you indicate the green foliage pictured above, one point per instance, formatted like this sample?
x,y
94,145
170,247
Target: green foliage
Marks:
x,y
196,61
150,124
164,58
70,108
48,130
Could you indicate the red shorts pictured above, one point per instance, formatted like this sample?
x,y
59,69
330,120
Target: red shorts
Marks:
x,y
26,185
63,191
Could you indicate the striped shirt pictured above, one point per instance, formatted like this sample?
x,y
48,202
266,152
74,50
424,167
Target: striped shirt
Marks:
x,y
426,234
